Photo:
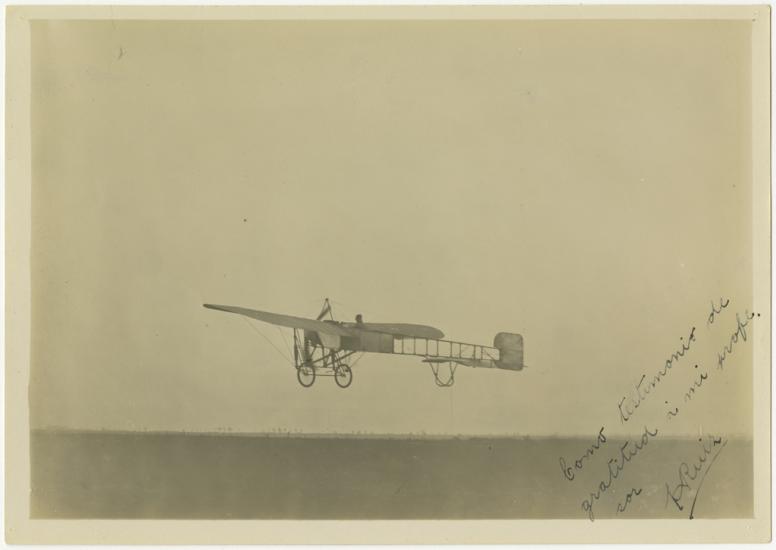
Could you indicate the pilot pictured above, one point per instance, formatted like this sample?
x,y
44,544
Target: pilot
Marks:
x,y
359,319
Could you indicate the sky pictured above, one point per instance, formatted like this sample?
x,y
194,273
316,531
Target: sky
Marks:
x,y
584,184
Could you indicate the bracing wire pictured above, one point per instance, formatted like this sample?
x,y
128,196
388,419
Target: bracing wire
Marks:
x,y
452,414
345,309
351,312
285,341
268,340
353,364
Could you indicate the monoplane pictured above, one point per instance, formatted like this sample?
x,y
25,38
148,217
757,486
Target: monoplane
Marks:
x,y
324,347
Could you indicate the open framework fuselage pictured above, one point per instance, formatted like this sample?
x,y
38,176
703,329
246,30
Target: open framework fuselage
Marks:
x,y
322,347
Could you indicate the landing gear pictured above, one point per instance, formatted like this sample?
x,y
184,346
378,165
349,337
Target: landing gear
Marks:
x,y
343,376
313,360
306,375
439,380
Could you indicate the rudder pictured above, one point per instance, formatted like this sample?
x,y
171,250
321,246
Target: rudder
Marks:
x,y
510,347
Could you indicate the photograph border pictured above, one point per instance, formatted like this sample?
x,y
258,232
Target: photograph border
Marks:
x,y
20,529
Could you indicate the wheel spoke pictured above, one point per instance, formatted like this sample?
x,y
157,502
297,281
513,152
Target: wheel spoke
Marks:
x,y
343,376
305,374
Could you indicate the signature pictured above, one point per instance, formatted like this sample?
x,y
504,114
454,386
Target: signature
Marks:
x,y
692,476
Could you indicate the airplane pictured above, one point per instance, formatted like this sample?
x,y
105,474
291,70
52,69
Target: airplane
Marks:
x,y
322,346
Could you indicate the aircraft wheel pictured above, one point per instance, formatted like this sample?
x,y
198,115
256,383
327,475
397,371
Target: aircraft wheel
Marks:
x,y
306,375
343,376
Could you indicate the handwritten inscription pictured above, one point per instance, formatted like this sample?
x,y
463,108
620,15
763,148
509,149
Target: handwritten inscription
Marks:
x,y
682,490
622,506
579,463
696,385
691,475
740,332
642,389
615,466
716,310
703,376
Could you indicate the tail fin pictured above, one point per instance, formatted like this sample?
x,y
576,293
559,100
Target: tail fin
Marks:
x,y
510,347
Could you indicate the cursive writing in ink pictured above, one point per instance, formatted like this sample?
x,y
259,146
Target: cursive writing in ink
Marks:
x,y
622,506
696,384
723,303
642,389
740,332
670,413
694,474
568,472
615,466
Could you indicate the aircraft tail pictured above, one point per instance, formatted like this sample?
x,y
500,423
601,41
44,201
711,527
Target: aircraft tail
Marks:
x,y
510,347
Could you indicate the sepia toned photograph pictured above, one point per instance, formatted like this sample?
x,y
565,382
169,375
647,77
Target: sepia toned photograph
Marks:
x,y
380,272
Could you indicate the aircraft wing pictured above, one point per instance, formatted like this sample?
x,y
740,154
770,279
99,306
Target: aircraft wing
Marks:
x,y
403,330
285,320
